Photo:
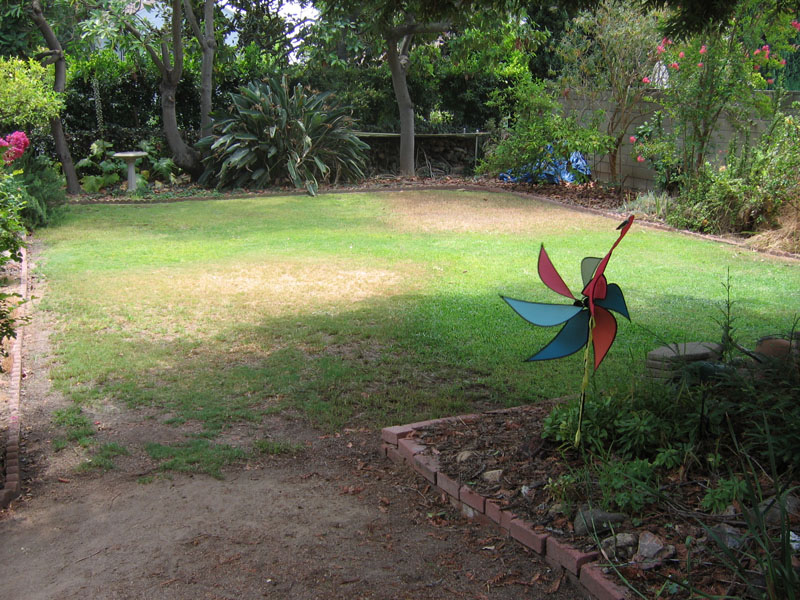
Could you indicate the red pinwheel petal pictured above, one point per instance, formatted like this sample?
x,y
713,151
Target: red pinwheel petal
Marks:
x,y
590,290
550,277
603,334
601,288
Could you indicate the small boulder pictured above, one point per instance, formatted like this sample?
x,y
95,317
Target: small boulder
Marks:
x,y
619,547
492,476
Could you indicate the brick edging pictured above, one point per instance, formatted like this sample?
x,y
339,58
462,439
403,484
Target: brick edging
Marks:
x,y
12,487
400,446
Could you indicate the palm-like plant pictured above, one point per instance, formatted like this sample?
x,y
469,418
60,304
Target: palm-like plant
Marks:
x,y
273,134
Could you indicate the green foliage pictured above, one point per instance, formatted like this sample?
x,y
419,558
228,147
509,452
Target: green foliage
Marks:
x,y
44,189
725,493
626,485
27,99
276,135
100,167
537,123
604,53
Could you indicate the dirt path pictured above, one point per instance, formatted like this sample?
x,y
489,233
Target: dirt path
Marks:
x,y
336,521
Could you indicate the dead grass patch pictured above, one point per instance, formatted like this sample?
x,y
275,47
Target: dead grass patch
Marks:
x,y
481,212
786,238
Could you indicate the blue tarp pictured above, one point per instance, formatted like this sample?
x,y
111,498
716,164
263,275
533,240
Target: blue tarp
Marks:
x,y
553,170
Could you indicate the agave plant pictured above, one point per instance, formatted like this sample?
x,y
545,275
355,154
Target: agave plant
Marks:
x,y
274,134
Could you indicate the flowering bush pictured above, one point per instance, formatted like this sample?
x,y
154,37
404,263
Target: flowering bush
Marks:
x,y
15,145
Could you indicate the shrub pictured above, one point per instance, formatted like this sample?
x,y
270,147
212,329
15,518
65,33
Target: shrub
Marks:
x,y
539,133
275,134
44,187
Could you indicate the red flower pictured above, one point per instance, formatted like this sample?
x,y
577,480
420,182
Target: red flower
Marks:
x,y
640,158
796,25
699,65
770,81
633,139
675,66
703,49
681,54
645,80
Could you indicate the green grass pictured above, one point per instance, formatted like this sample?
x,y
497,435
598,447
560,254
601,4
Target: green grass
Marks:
x,y
277,447
196,456
364,309
103,457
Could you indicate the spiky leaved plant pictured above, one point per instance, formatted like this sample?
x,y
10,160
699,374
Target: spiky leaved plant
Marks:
x,y
274,134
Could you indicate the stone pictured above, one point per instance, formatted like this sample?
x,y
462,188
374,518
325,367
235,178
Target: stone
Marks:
x,y
492,476
594,520
686,352
774,346
619,547
649,545
772,510
727,535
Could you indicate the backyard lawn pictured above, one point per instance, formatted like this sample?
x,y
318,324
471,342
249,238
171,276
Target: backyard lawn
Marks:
x,y
365,309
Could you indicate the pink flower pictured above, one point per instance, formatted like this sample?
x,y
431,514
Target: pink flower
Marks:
x,y
703,49
783,62
770,81
756,51
645,80
16,143
681,54
661,49
756,67
675,66
640,158
699,65
796,25
633,139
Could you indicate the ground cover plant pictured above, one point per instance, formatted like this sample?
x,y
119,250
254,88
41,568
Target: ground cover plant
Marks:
x,y
358,309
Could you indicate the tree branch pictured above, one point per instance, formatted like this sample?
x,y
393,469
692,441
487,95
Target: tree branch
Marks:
x,y
415,28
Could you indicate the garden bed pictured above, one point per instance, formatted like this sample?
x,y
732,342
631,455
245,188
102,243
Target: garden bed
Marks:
x,y
502,457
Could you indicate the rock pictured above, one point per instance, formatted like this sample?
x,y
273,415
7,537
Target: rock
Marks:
x,y
649,545
652,551
555,510
772,510
619,547
688,352
492,476
774,346
727,535
595,520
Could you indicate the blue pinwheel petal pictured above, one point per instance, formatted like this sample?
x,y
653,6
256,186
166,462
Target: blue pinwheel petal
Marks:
x,y
544,315
572,337
614,300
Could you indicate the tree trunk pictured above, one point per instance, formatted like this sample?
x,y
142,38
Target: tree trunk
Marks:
x,y
208,44
185,157
398,65
56,56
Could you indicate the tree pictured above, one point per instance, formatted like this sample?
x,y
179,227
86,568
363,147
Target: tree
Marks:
x,y
113,19
26,95
608,51
396,25
55,56
208,45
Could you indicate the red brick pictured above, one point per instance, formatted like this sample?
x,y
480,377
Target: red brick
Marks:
x,y
496,513
600,585
393,454
471,499
12,480
391,435
427,466
560,554
408,448
7,494
12,470
447,485
523,532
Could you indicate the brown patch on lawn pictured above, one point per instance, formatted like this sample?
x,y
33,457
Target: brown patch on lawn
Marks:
x,y
481,212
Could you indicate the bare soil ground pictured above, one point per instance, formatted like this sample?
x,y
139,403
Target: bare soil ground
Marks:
x,y
334,521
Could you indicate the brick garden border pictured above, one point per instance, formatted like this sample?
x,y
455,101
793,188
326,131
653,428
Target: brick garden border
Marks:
x,y
400,446
12,487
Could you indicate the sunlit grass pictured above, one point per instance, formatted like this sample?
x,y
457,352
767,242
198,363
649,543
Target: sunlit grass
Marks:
x,y
367,309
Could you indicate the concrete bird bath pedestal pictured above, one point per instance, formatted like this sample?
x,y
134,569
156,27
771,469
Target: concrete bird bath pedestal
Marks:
x,y
130,159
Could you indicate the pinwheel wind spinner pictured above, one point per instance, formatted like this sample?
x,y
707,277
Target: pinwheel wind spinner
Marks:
x,y
587,322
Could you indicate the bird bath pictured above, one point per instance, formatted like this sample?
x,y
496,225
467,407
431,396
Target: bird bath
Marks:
x,y
130,159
